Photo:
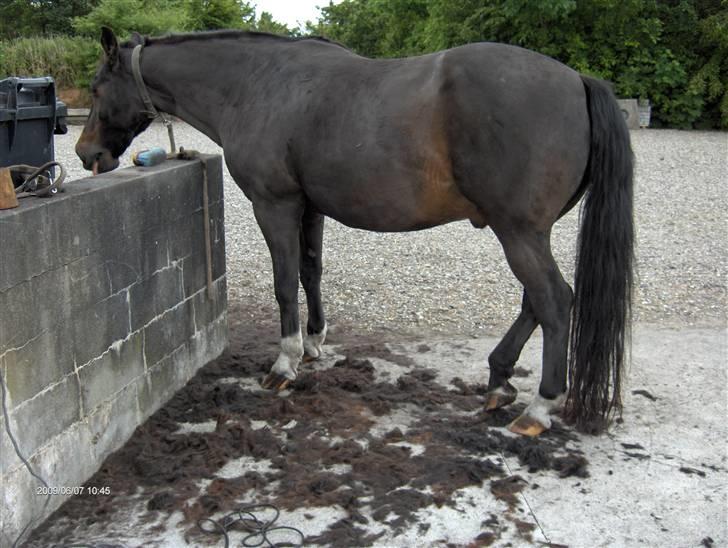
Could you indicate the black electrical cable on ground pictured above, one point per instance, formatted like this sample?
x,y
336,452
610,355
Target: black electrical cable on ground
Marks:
x,y
257,529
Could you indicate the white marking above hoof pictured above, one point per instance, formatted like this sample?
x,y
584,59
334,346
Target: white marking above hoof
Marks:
x,y
313,342
540,409
504,391
290,356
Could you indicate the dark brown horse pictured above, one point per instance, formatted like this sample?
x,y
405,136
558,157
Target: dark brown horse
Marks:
x,y
496,134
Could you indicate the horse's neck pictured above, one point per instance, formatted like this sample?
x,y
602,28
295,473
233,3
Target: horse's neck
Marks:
x,y
180,83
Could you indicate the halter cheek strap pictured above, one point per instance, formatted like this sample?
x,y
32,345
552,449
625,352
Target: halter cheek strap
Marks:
x,y
152,112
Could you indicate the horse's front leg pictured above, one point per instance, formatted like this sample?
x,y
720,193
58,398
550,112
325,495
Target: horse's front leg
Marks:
x,y
280,223
312,234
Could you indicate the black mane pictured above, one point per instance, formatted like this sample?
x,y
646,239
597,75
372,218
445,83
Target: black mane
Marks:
x,y
177,38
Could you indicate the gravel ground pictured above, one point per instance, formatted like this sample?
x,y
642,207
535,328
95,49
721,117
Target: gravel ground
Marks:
x,y
454,279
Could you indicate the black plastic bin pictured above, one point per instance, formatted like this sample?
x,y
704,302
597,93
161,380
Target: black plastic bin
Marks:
x,y
29,116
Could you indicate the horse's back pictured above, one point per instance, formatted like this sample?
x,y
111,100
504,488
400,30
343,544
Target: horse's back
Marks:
x,y
468,133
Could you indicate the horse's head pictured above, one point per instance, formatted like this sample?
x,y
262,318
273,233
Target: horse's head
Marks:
x,y
117,112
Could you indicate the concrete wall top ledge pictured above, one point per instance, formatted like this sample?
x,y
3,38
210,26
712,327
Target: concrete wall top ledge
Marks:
x,y
104,182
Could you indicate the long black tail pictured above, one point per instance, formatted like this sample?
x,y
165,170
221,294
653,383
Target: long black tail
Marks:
x,y
601,316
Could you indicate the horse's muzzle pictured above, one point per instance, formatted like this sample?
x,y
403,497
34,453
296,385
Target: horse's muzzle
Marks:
x,y
96,158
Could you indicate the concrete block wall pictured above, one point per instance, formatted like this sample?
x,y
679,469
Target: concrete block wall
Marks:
x,y
104,314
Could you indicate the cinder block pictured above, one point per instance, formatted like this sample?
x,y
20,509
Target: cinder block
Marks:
x,y
154,250
194,274
167,332
209,342
66,232
20,261
89,281
123,269
98,326
186,236
117,212
111,423
46,415
134,257
104,376
207,310
152,296
33,306
180,196
42,361
189,242
163,379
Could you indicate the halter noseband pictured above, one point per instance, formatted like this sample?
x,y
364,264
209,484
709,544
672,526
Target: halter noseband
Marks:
x,y
151,111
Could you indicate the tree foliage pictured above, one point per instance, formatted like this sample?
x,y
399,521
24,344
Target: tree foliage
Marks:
x,y
126,16
32,18
27,18
218,14
672,52
61,37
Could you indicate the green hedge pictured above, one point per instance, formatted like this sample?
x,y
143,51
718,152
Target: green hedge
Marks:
x,y
672,52
71,61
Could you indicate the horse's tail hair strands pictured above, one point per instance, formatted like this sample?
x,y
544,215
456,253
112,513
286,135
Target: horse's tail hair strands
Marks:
x,y
601,316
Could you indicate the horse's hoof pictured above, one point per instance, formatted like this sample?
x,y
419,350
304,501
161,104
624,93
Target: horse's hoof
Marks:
x,y
500,397
274,381
308,359
527,426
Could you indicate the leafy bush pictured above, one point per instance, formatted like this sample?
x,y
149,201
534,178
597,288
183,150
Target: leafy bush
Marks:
x,y
127,16
672,52
163,16
71,61
218,14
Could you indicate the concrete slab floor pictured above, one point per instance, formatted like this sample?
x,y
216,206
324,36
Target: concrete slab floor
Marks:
x,y
658,478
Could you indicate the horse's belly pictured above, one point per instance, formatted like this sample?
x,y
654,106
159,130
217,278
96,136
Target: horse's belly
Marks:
x,y
396,206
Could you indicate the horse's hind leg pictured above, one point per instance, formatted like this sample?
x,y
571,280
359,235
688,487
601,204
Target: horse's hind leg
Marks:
x,y
312,234
280,223
529,256
504,357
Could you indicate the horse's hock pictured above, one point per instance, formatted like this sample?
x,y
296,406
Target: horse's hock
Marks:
x,y
104,314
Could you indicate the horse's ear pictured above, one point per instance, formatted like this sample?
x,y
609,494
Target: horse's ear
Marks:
x,y
136,39
110,45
